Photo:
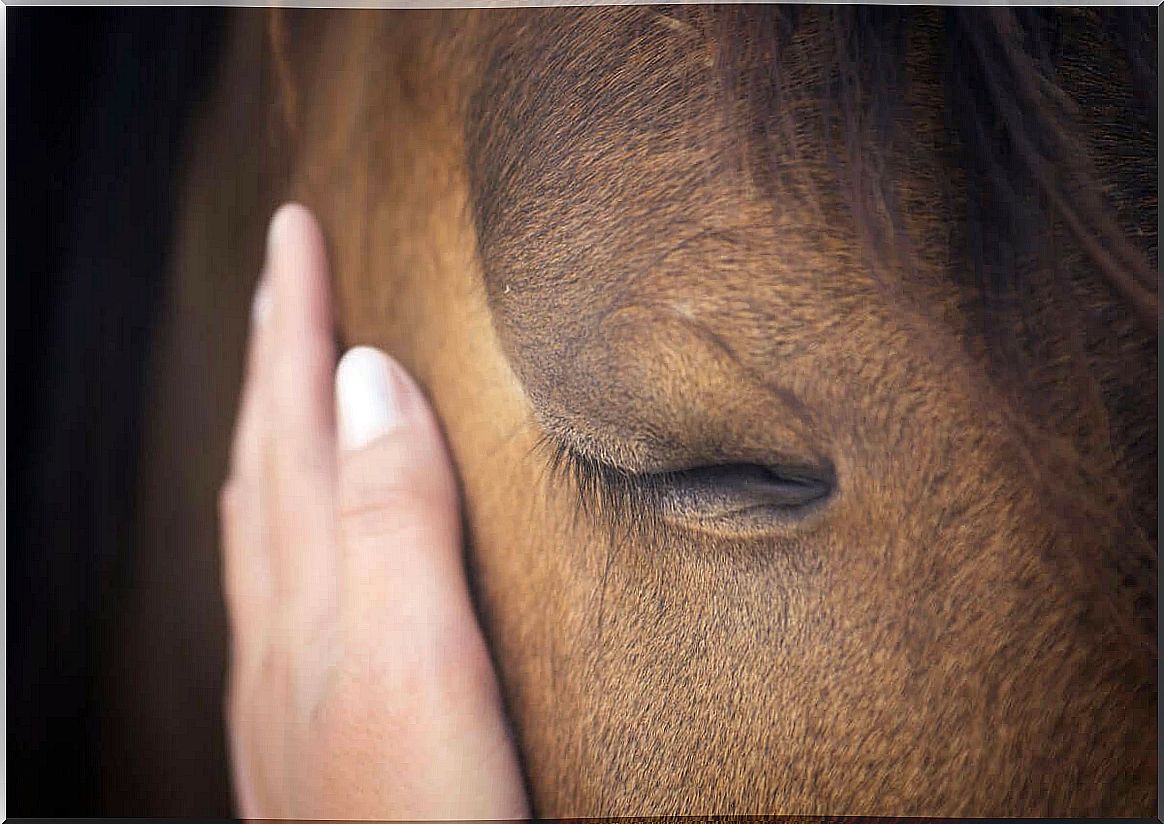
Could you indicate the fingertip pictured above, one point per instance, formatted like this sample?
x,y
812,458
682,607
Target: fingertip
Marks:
x,y
296,261
288,222
389,441
297,302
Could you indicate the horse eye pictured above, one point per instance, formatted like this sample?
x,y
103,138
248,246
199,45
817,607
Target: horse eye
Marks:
x,y
751,490
733,496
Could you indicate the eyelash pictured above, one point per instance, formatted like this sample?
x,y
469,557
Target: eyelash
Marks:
x,y
617,499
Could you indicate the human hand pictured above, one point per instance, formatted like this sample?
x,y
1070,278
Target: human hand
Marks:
x,y
360,684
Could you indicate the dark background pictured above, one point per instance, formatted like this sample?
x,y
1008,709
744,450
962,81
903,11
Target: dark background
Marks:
x,y
99,101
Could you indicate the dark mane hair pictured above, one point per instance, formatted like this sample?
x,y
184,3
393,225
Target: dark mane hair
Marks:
x,y
1046,112
1015,126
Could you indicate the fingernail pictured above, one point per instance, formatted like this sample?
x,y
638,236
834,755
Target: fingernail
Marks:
x,y
368,406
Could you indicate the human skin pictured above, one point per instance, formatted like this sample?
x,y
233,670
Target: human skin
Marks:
x,y
360,685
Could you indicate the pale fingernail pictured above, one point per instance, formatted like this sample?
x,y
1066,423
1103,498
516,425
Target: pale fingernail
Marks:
x,y
366,397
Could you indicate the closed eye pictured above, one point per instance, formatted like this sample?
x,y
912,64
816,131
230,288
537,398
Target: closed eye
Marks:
x,y
722,490
734,496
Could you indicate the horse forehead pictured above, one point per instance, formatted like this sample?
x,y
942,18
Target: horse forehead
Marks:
x,y
607,174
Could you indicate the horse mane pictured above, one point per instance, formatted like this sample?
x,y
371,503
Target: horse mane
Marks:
x,y
1027,182
1015,126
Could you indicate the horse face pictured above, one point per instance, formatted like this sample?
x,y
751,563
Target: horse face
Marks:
x,y
754,528
797,560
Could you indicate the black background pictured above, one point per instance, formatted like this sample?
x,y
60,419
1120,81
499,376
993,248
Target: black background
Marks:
x,y
99,101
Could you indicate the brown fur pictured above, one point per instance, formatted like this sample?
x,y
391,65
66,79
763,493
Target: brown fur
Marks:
x,y
657,239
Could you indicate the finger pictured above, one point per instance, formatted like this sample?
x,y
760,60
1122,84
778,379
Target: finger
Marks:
x,y
299,404
245,566
398,505
409,629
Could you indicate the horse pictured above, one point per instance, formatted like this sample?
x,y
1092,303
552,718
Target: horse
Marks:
x,y
799,370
